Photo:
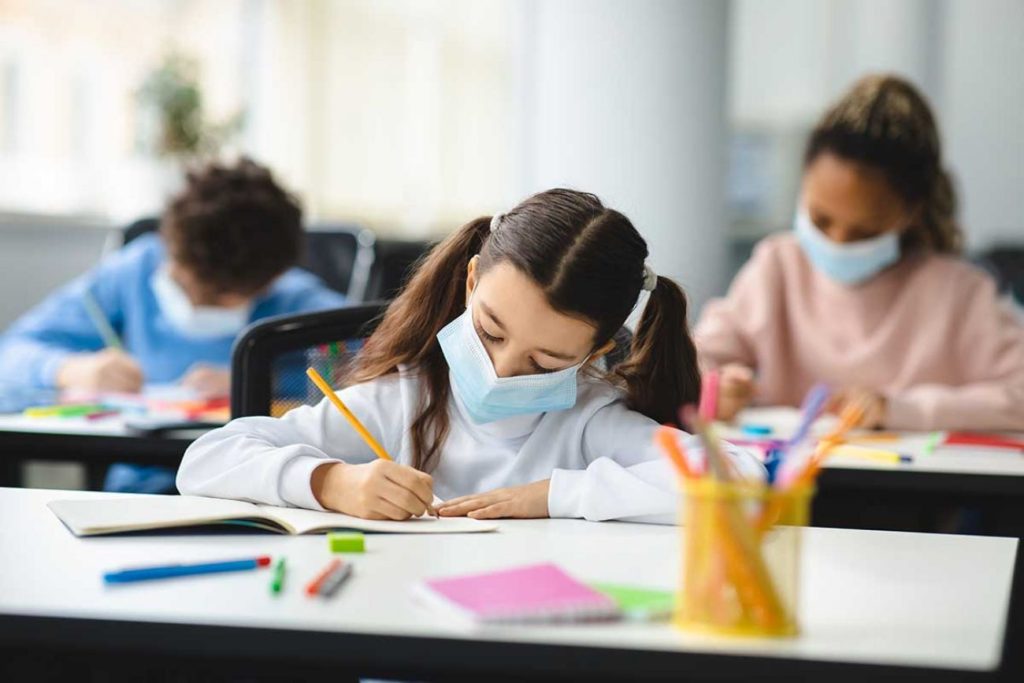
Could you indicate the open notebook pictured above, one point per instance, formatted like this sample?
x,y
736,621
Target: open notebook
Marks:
x,y
145,513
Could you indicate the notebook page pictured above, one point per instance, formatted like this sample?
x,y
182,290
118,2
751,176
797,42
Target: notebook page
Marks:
x,y
142,512
302,521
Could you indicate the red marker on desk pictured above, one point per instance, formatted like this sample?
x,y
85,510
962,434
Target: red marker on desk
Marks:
x,y
984,440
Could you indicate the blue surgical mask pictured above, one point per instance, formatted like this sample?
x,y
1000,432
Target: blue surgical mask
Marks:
x,y
487,397
189,320
850,263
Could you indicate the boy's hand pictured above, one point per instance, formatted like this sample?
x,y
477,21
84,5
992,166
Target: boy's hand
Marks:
x,y
381,489
106,370
207,380
528,501
735,390
874,404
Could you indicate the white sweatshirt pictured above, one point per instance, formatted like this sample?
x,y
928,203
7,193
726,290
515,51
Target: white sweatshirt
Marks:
x,y
599,455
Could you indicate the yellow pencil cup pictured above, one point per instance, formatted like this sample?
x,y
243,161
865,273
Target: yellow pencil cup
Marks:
x,y
741,558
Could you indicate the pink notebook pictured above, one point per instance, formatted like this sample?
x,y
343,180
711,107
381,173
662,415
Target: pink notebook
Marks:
x,y
537,593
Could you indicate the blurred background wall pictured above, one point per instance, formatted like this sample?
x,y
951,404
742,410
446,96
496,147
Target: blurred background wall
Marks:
x,y
411,117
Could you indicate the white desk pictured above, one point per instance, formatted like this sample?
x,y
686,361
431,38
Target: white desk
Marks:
x,y
878,598
922,495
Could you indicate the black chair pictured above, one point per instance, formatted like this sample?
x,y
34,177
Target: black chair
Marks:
x,y
341,255
393,263
137,229
1006,264
269,359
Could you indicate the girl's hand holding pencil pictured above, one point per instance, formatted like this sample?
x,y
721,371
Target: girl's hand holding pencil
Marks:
x,y
381,489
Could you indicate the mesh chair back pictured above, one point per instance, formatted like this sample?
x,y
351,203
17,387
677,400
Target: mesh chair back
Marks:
x,y
269,359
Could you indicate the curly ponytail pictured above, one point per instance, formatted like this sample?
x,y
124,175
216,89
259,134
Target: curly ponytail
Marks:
x,y
939,227
884,122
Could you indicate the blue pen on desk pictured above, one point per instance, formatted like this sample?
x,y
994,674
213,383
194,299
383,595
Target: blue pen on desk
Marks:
x,y
173,570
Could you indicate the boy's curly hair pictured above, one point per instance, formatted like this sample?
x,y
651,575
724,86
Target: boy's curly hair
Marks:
x,y
233,227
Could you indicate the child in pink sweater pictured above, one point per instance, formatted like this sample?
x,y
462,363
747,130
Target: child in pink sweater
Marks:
x,y
867,294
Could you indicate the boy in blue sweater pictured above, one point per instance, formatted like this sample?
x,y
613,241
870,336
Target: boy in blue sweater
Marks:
x,y
224,257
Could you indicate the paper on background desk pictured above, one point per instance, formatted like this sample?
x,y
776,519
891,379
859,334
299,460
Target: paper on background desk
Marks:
x,y
784,421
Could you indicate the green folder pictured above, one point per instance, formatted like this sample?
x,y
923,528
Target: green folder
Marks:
x,y
640,604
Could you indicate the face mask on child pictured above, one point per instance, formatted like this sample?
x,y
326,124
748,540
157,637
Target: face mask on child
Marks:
x,y
196,321
850,263
487,397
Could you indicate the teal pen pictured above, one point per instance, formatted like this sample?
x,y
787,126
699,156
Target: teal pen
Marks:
x,y
173,570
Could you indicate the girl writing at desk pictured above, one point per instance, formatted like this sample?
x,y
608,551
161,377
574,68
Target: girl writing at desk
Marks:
x,y
482,382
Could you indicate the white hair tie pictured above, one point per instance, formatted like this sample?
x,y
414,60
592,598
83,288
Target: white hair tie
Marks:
x,y
496,221
650,279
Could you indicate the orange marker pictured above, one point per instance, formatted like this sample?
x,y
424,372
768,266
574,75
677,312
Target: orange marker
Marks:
x,y
313,588
666,438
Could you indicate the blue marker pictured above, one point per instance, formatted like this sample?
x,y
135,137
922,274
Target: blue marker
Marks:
x,y
756,430
173,570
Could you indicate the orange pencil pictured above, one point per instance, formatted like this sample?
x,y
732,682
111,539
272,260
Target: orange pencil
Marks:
x,y
666,438
374,445
323,386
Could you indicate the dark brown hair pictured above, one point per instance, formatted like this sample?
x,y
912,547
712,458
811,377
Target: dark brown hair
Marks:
x,y
588,259
885,123
233,227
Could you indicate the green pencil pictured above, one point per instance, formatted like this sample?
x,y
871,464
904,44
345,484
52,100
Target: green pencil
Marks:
x,y
110,338
933,442
277,580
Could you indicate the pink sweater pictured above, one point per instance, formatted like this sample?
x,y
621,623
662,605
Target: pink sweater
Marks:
x,y
928,333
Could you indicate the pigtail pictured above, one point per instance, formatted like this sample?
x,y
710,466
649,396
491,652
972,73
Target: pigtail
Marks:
x,y
660,373
407,334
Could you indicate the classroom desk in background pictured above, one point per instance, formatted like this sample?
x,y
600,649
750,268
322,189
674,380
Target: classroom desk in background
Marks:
x,y
94,444
874,604
932,493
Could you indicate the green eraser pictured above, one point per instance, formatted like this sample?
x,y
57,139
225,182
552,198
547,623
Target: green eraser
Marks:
x,y
346,542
